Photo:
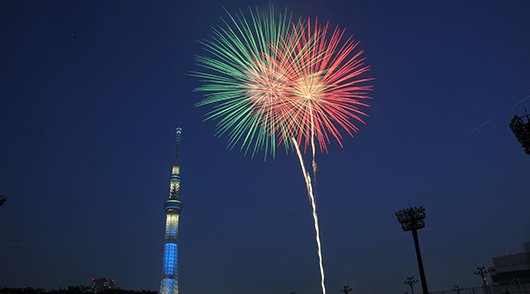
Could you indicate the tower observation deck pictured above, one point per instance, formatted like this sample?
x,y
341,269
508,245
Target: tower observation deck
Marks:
x,y
173,207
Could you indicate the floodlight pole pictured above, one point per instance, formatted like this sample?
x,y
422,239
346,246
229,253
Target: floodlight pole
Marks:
x,y
411,281
420,261
413,219
521,130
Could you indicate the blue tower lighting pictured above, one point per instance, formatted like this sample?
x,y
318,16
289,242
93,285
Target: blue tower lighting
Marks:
x,y
173,207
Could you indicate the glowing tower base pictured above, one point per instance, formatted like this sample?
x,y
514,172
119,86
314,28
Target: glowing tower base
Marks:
x,y
173,207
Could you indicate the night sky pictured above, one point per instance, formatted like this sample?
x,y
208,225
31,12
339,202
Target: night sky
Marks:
x,y
91,93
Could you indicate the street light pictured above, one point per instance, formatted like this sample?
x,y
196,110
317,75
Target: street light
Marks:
x,y
346,289
413,219
411,281
482,272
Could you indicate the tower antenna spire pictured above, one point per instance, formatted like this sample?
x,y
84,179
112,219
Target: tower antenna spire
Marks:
x,y
177,150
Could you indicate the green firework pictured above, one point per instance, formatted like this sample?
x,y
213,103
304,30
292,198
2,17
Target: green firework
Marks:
x,y
239,82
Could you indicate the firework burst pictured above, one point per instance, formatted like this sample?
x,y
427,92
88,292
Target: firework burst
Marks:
x,y
241,83
326,89
275,82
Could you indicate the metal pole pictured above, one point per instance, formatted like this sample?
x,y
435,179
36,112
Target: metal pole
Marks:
x,y
420,262
411,281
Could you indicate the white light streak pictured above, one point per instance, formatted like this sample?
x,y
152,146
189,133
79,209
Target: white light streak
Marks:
x,y
309,187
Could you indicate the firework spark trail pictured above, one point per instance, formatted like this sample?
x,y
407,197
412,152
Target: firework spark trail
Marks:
x,y
313,145
313,150
309,187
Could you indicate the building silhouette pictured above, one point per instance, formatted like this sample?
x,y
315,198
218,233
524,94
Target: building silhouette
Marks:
x,y
173,207
512,269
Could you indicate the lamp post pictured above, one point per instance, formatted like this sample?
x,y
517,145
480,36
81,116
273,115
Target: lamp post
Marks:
x,y
413,219
346,289
482,272
411,281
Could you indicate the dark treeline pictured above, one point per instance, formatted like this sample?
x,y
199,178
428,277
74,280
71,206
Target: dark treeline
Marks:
x,y
71,290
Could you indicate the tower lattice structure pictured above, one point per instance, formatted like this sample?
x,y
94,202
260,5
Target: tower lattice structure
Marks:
x,y
173,207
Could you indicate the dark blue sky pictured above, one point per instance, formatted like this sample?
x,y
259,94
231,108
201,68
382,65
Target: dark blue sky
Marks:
x,y
90,95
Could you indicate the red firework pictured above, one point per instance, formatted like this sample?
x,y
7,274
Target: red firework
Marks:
x,y
325,88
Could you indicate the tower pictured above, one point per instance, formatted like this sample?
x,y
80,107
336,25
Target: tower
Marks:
x,y
173,207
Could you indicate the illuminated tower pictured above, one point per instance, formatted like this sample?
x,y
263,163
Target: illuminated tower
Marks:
x,y
173,207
